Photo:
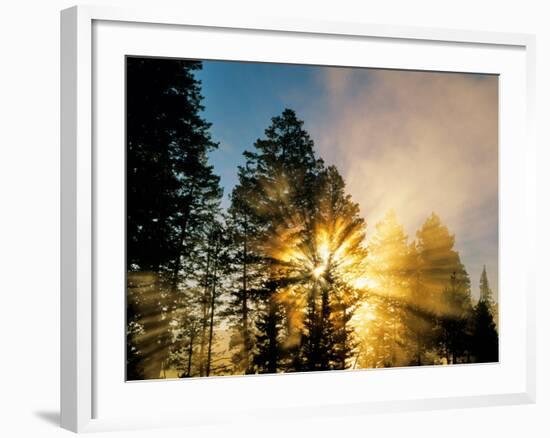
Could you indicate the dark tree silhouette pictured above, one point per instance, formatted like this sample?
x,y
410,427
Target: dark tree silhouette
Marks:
x,y
171,189
485,336
485,292
275,192
247,272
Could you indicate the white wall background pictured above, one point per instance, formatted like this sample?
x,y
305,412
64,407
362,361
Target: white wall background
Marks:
x,y
29,216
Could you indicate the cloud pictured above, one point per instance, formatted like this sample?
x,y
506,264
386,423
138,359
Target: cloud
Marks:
x,y
417,142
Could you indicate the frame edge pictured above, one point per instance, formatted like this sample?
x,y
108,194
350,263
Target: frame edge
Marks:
x,y
68,377
76,338
76,237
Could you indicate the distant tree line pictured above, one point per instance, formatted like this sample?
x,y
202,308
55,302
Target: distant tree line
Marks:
x,y
286,279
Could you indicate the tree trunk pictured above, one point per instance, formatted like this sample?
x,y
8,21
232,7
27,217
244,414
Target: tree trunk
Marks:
x,y
246,340
153,346
344,346
394,334
190,352
204,320
325,344
181,239
273,350
212,306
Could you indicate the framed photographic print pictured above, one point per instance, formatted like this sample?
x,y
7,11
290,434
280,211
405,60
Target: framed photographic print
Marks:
x,y
253,209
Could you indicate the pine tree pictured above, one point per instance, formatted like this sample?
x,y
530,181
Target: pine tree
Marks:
x,y
438,261
247,273
171,190
214,268
445,294
419,320
309,234
388,269
339,237
485,336
268,353
485,292
454,336
278,184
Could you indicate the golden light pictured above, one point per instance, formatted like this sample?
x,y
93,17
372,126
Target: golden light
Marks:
x,y
319,270
367,312
365,282
363,319
330,256
323,247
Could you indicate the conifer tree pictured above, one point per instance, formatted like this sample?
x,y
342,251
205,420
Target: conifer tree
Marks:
x,y
247,272
171,190
269,325
446,286
339,238
454,336
280,175
485,292
485,337
419,319
388,269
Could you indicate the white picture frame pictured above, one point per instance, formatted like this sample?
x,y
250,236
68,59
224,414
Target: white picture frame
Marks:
x,y
88,394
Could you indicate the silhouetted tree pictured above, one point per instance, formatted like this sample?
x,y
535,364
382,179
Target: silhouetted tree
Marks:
x,y
268,351
278,181
454,336
337,242
484,340
171,189
485,336
485,292
244,228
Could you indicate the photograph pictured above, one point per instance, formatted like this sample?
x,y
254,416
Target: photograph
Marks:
x,y
289,218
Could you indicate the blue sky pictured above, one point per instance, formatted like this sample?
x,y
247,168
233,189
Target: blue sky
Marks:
x,y
415,142
241,98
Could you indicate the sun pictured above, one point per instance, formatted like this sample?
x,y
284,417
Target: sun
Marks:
x,y
319,270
